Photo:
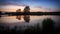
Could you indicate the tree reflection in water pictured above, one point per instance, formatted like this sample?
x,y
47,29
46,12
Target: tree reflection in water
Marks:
x,y
26,18
18,17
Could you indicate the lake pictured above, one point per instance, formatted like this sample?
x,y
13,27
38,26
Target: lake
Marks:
x,y
22,20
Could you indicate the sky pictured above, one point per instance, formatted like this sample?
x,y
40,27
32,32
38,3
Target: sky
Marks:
x,y
35,5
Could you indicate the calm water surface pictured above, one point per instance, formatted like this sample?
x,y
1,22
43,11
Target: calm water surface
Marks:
x,y
28,20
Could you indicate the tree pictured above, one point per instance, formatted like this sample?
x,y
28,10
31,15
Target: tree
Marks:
x,y
27,9
48,25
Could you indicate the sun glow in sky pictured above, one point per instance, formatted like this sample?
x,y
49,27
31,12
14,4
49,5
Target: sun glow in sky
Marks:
x,y
35,5
11,8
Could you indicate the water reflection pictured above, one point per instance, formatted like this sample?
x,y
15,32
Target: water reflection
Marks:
x,y
45,25
18,17
25,17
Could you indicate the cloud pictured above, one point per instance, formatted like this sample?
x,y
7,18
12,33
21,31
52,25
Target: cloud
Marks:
x,y
11,2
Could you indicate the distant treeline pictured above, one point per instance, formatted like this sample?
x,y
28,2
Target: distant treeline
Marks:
x,y
30,13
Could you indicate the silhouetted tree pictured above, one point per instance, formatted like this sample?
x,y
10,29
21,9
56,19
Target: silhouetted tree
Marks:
x,y
26,10
18,10
48,25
